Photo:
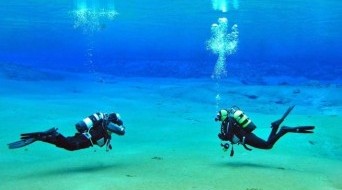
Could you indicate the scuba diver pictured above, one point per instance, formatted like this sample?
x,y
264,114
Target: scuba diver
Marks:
x,y
237,128
93,130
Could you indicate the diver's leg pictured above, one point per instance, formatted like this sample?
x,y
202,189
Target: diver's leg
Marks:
x,y
272,140
285,129
254,141
273,132
76,142
51,136
79,141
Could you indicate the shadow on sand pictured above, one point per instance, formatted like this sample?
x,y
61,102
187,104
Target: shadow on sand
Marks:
x,y
253,165
73,170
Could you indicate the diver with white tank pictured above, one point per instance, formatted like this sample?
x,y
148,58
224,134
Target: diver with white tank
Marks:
x,y
93,130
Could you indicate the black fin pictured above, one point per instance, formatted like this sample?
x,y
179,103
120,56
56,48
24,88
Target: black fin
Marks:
x,y
279,121
38,135
299,129
21,143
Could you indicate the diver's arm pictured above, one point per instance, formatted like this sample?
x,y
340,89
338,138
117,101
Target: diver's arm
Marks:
x,y
119,130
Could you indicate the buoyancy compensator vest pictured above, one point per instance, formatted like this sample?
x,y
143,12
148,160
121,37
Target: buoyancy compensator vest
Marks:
x,y
242,119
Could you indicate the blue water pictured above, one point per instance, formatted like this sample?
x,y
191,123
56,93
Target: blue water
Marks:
x,y
153,38
62,60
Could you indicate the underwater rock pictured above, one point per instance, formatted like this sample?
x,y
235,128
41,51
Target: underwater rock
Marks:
x,y
157,158
282,101
253,97
312,142
296,91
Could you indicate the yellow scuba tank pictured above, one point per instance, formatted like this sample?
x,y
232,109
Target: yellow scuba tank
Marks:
x,y
242,119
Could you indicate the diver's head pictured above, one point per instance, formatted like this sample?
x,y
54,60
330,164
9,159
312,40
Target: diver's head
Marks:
x,y
115,118
221,115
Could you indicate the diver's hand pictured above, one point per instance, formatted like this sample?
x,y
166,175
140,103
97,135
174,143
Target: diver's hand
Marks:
x,y
117,129
115,118
222,137
119,122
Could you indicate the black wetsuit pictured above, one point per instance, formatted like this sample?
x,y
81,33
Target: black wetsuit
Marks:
x,y
80,140
98,134
233,132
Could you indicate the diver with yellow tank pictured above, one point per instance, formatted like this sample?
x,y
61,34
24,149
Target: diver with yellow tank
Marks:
x,y
237,128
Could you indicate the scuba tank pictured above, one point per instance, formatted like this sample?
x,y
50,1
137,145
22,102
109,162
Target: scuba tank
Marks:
x,y
88,122
242,119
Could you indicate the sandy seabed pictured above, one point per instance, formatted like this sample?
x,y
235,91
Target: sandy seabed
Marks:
x,y
171,140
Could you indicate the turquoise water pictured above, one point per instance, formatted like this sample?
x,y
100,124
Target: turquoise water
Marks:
x,y
167,67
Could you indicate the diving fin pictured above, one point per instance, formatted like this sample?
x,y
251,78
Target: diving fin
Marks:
x,y
28,138
21,143
299,129
279,121
38,135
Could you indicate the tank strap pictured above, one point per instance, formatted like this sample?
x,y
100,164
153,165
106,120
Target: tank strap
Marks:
x,y
88,136
244,145
108,145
